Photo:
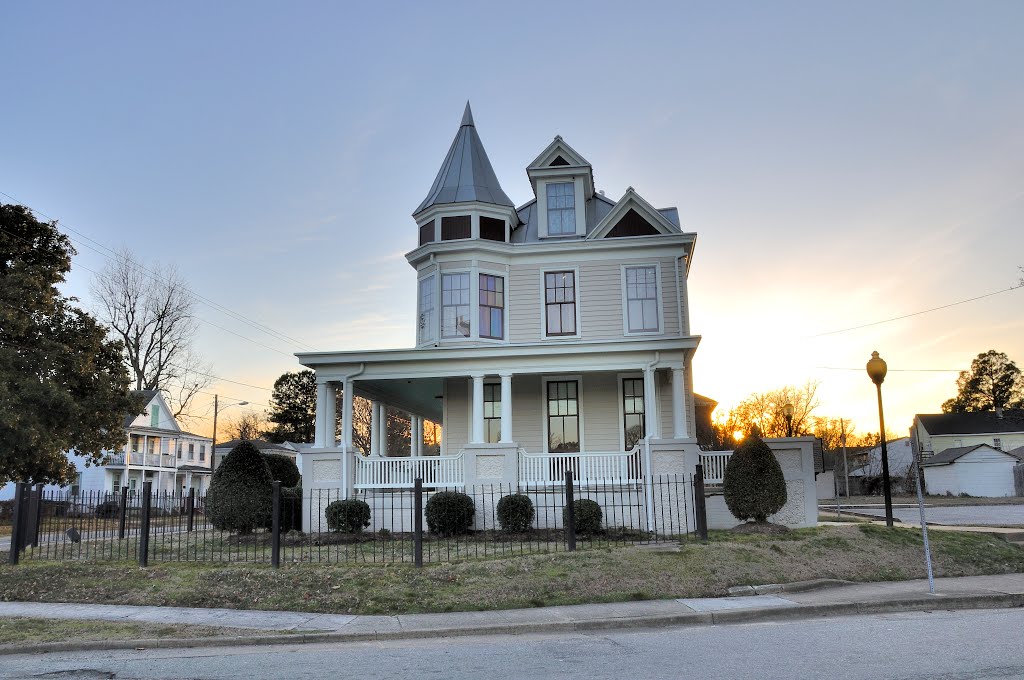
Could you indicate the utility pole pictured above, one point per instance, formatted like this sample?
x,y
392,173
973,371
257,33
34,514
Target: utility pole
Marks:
x,y
846,467
213,449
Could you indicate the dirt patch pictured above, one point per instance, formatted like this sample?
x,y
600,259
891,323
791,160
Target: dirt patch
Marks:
x,y
760,528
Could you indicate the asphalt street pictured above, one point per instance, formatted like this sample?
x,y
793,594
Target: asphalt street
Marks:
x,y
988,644
965,515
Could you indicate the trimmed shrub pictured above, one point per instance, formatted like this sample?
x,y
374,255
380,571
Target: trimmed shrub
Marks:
x,y
754,487
240,497
290,511
282,469
515,513
350,516
588,516
108,509
450,513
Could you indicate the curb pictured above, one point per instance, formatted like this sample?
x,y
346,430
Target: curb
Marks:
x,y
726,617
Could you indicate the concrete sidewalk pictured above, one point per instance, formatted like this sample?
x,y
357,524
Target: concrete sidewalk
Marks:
x,y
776,603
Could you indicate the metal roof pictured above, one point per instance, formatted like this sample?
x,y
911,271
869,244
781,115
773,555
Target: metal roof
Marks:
x,y
466,174
954,454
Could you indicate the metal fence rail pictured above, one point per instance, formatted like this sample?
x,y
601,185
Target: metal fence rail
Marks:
x,y
163,527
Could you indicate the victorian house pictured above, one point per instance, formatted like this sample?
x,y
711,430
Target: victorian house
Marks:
x,y
550,337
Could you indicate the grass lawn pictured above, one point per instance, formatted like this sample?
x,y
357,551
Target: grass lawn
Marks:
x,y
859,552
19,631
932,501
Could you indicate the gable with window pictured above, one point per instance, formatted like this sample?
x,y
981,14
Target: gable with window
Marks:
x,y
561,204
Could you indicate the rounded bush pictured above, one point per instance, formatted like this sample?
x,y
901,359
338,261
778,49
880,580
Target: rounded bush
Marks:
x,y
450,513
588,516
240,496
515,513
283,469
108,509
754,487
350,516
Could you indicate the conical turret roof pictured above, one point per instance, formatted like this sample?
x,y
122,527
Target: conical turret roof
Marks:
x,y
466,174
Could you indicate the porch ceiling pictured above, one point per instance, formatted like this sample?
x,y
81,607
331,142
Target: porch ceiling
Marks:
x,y
419,396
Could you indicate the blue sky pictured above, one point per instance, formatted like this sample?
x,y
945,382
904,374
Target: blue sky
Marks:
x,y
842,163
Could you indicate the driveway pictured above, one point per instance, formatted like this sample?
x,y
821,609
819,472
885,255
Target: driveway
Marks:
x,y
965,515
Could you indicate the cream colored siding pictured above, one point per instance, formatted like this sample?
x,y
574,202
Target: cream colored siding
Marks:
x,y
1009,441
524,303
664,383
600,412
527,413
668,296
456,424
600,300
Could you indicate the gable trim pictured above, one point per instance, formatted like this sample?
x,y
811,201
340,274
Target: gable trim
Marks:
x,y
633,200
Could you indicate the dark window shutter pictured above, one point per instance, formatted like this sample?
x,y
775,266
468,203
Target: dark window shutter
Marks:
x,y
492,229
459,226
427,233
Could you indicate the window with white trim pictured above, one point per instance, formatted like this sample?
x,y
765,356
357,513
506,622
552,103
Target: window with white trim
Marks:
x,y
563,416
560,303
642,299
561,208
492,307
632,411
455,305
492,413
427,325
191,451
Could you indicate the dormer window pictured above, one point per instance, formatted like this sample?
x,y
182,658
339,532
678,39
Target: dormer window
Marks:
x,y
561,208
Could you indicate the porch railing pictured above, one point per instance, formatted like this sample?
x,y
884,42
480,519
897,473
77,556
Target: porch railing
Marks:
x,y
714,463
400,473
548,469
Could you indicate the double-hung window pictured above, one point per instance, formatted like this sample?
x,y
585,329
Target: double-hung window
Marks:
x,y
642,300
560,303
632,411
492,413
455,305
561,208
202,452
427,327
191,451
563,416
492,307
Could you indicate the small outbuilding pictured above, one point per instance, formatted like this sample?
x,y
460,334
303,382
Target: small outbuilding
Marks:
x,y
979,470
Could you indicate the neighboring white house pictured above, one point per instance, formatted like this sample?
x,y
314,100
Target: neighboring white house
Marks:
x,y
285,449
156,449
978,470
550,336
1001,429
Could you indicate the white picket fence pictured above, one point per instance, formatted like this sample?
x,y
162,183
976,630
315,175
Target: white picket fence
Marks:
x,y
548,469
400,473
714,463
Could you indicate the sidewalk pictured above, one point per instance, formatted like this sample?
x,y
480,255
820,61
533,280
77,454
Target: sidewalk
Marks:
x,y
790,601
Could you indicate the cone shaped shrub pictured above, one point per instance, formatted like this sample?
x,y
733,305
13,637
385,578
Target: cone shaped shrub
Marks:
x,y
240,496
515,513
754,485
283,469
450,513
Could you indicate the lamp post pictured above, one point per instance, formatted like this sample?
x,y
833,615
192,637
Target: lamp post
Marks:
x,y
877,368
216,410
787,411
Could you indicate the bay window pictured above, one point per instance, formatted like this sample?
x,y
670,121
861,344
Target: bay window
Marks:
x,y
455,304
492,307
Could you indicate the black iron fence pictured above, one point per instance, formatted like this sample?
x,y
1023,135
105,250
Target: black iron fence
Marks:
x,y
164,527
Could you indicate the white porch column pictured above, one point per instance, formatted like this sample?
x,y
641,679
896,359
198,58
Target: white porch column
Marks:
x,y
346,415
331,416
650,405
382,433
415,427
506,408
320,436
679,429
478,410
374,428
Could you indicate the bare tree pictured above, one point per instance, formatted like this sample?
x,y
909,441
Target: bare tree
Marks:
x,y
765,410
247,425
152,311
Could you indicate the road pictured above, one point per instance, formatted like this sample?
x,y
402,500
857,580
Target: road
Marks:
x,y
963,515
944,645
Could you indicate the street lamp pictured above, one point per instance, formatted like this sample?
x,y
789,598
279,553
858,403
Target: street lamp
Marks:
x,y
787,411
877,368
216,410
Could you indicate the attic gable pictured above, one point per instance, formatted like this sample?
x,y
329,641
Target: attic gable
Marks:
x,y
156,406
558,154
632,216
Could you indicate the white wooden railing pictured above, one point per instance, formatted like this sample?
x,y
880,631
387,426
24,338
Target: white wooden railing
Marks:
x,y
375,472
714,463
548,469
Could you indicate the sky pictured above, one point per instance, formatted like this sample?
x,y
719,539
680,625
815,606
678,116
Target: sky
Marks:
x,y
841,163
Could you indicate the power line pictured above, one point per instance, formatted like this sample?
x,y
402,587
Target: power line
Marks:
x,y
217,377
156,277
896,370
925,311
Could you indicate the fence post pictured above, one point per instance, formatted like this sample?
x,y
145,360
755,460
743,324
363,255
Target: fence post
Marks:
x,y
147,499
16,522
190,508
35,512
417,522
275,527
123,518
700,511
570,512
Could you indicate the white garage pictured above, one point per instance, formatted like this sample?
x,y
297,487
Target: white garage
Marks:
x,y
979,470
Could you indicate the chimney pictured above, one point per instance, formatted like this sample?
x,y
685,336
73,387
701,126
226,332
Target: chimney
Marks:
x,y
999,412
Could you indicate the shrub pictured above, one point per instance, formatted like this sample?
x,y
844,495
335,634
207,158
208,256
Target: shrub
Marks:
x,y
588,516
449,513
515,513
350,516
240,498
283,469
108,509
754,487
290,511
